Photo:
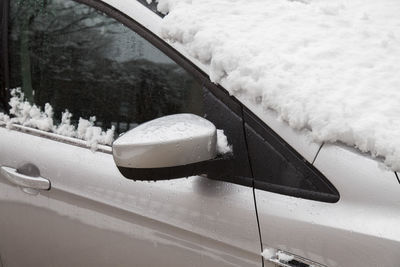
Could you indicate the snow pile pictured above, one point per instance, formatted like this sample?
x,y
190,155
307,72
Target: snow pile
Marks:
x,y
269,253
284,257
173,127
222,143
327,66
273,254
32,116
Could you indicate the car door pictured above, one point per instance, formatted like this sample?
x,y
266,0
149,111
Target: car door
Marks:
x,y
63,202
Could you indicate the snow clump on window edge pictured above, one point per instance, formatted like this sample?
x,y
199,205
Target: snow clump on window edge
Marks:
x,y
222,143
26,114
327,66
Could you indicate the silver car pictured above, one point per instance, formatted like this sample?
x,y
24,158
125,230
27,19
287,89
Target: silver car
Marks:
x,y
67,202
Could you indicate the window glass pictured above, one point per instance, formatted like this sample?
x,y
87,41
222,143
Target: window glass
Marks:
x,y
2,60
278,168
2,93
73,57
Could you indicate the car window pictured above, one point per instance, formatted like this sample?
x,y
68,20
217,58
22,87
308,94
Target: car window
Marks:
x,y
71,56
3,57
278,168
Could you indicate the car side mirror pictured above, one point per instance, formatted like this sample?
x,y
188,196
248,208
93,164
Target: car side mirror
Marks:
x,y
169,147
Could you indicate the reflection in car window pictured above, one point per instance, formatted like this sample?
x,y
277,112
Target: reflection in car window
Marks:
x,y
75,58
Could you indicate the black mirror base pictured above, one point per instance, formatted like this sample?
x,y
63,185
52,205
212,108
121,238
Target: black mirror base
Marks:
x,y
214,168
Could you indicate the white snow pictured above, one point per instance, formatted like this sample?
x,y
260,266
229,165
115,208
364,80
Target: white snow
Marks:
x,y
30,115
327,66
4,118
172,127
274,254
222,143
269,253
284,257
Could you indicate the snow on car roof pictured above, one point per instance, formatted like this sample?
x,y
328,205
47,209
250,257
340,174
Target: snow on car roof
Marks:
x,y
327,66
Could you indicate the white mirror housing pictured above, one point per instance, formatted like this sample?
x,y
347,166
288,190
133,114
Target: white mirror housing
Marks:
x,y
169,141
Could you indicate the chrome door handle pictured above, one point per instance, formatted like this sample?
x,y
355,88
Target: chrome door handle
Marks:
x,y
24,180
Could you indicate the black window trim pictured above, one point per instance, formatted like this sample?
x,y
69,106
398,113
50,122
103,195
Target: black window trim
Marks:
x,y
4,9
222,94
270,136
152,6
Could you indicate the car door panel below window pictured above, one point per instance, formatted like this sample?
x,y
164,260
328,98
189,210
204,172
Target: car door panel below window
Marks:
x,y
92,216
358,230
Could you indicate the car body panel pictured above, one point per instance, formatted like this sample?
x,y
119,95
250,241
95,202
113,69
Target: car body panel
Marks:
x,y
92,216
359,230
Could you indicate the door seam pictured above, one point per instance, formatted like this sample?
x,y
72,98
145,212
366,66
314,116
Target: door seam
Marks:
x,y
253,186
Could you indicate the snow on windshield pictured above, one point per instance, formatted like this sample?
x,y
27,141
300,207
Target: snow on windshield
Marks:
x,y
327,66
26,114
